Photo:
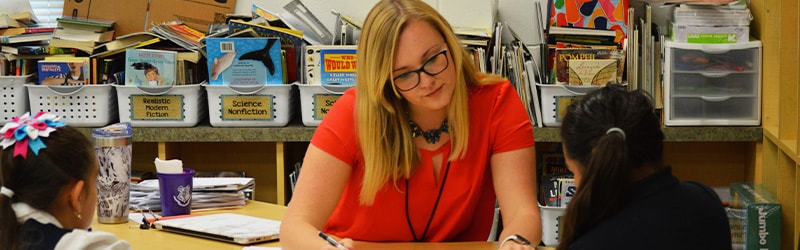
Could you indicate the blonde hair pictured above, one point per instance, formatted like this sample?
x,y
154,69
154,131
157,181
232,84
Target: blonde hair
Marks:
x,y
381,113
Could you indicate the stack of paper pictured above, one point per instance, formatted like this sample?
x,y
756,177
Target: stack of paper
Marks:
x,y
207,192
711,24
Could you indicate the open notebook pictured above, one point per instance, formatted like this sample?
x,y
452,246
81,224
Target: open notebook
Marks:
x,y
228,227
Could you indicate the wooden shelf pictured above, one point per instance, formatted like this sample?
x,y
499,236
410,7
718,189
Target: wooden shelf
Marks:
x,y
299,133
775,23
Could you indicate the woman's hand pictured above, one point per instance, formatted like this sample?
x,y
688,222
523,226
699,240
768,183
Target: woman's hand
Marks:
x,y
514,246
515,242
347,242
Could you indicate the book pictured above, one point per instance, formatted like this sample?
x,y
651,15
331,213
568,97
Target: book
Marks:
x,y
85,46
566,190
564,55
106,50
601,15
64,71
272,19
338,65
150,67
25,30
84,23
181,34
22,38
580,31
83,35
16,20
128,40
291,41
244,61
592,72
36,49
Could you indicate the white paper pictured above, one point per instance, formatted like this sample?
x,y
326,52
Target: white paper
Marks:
x,y
169,166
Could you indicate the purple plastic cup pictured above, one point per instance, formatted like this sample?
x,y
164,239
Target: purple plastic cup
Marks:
x,y
176,192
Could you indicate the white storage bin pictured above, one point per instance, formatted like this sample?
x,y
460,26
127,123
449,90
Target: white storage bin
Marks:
x,y
712,84
556,98
316,100
161,106
551,221
79,105
250,106
13,96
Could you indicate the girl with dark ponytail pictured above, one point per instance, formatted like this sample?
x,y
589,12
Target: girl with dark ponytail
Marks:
x,y
48,190
626,198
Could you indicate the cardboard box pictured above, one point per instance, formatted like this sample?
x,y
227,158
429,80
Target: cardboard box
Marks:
x,y
197,14
133,16
755,217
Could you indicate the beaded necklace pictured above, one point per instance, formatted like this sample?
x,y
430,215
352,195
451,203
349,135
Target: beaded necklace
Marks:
x,y
431,136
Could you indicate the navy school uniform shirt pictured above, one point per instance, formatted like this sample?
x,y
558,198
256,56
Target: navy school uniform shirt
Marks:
x,y
663,213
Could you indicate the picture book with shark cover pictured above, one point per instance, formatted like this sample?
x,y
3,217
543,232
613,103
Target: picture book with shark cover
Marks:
x,y
244,61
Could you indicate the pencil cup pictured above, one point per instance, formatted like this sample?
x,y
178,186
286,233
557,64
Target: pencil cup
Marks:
x,y
113,148
176,192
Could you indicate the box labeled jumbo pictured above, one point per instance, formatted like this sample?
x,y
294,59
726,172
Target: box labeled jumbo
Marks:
x,y
755,218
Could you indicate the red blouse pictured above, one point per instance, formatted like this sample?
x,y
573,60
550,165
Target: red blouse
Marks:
x,y
498,123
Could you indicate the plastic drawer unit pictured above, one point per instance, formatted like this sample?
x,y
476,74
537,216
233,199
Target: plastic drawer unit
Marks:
x,y
712,84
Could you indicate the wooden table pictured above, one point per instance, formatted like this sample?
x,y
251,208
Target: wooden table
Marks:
x,y
155,239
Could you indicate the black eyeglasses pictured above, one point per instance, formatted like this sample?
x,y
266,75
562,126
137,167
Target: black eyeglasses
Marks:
x,y
433,66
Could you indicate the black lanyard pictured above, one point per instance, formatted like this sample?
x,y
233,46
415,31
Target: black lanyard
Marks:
x,y
436,204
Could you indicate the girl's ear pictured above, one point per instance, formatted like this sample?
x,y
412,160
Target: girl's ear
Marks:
x,y
75,193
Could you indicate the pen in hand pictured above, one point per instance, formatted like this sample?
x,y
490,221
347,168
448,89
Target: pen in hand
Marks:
x,y
332,241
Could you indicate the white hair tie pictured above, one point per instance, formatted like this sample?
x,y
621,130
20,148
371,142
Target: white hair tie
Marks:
x,y
616,129
6,192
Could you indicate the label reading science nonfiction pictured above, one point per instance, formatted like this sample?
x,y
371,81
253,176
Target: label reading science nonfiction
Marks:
x,y
256,107
163,107
323,104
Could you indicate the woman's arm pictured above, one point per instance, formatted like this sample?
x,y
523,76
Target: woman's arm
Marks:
x,y
514,177
318,190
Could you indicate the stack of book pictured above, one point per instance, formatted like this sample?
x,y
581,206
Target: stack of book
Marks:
x,y
711,24
584,56
82,33
22,43
12,37
207,192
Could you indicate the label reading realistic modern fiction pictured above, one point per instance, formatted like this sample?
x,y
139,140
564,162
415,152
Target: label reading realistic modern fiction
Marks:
x,y
163,107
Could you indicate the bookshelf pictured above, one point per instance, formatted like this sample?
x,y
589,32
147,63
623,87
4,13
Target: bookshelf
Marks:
x,y
776,24
713,155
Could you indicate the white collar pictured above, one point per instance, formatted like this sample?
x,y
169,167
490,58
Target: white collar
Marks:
x,y
25,212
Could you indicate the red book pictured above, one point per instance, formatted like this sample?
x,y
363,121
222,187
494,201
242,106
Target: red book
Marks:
x,y
25,30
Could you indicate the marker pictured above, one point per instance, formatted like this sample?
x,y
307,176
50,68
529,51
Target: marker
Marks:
x,y
332,241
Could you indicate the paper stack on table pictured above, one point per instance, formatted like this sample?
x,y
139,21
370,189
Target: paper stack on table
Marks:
x,y
208,192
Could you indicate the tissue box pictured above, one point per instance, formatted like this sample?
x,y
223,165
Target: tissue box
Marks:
x,y
755,217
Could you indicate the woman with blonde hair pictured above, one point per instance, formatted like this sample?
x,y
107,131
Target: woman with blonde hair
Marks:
x,y
420,149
